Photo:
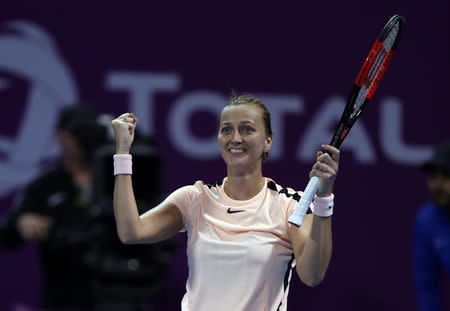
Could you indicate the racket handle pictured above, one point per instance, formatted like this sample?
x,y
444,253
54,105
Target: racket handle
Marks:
x,y
306,199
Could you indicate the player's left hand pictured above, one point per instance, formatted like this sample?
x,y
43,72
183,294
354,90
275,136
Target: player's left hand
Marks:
x,y
326,168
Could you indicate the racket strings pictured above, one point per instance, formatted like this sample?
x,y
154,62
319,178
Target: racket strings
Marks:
x,y
392,36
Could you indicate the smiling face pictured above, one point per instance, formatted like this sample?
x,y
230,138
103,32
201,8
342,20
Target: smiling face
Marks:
x,y
242,136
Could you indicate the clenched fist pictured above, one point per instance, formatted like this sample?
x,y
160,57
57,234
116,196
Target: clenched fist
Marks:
x,y
124,127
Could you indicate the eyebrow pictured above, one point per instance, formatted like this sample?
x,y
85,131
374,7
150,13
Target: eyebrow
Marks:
x,y
243,122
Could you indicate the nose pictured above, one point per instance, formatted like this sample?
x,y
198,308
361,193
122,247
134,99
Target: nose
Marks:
x,y
237,138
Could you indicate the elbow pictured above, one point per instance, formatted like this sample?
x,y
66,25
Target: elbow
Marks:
x,y
127,238
311,282
311,279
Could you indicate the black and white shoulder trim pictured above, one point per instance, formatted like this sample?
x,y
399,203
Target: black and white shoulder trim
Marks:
x,y
215,185
273,186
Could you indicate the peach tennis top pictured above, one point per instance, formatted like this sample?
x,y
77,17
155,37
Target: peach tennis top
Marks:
x,y
240,255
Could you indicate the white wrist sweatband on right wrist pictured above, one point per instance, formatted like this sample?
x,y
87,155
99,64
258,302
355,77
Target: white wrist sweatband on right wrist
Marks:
x,y
323,206
122,164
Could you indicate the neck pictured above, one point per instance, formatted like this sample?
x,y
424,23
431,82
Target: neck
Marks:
x,y
244,186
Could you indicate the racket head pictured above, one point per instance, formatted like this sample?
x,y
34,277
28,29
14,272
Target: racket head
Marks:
x,y
393,21
369,77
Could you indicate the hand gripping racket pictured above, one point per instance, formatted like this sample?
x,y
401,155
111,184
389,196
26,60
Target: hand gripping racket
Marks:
x,y
364,87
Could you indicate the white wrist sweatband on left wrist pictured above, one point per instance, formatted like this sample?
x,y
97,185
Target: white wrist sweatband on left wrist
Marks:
x,y
323,206
122,164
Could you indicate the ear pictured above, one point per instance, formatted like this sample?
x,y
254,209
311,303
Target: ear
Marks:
x,y
268,143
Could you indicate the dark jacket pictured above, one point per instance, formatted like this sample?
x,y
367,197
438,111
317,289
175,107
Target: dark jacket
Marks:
x,y
65,277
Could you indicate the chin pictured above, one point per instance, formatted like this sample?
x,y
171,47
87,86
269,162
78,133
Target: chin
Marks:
x,y
241,163
236,162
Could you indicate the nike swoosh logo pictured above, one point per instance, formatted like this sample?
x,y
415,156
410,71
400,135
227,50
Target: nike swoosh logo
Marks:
x,y
229,211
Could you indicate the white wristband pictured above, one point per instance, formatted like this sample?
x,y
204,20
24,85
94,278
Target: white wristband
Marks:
x,y
323,206
122,164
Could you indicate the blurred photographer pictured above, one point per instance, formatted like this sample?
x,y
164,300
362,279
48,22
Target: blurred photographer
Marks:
x,y
54,212
68,211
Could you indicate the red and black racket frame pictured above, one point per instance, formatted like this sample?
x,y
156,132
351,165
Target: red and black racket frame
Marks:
x,y
347,120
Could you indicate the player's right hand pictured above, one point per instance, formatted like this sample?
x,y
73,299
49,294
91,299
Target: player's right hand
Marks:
x,y
124,127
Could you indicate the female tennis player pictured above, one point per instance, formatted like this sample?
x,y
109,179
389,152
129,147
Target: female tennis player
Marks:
x,y
240,247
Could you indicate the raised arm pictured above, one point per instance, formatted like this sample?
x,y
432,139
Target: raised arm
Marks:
x,y
157,224
312,242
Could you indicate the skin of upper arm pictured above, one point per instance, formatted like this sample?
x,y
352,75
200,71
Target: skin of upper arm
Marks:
x,y
160,223
299,235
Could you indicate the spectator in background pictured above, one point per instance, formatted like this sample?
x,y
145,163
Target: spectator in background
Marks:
x,y
84,265
54,212
432,232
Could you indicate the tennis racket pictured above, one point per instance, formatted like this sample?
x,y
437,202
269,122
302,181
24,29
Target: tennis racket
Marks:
x,y
363,89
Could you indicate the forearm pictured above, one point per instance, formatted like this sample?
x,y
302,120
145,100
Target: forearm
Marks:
x,y
312,240
125,209
316,253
